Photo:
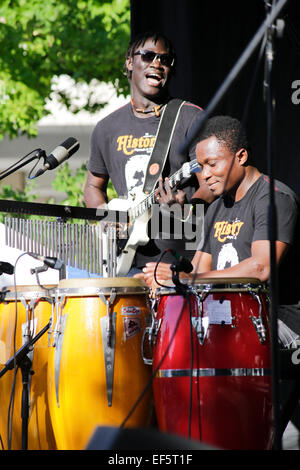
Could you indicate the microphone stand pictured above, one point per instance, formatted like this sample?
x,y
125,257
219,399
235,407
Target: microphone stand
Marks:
x,y
22,360
272,221
39,153
180,288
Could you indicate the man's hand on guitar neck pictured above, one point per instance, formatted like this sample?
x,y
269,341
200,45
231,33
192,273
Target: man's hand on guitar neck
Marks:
x,y
166,196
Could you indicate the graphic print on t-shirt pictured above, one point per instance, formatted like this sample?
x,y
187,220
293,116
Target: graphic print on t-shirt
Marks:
x,y
224,232
227,257
138,152
227,230
135,170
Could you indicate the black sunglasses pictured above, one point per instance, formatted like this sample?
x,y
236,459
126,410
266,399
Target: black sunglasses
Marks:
x,y
149,56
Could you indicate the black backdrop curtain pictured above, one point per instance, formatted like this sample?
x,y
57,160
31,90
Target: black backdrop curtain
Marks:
x,y
209,37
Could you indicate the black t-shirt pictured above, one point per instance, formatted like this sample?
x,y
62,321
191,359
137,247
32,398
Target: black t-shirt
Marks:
x,y
121,146
231,227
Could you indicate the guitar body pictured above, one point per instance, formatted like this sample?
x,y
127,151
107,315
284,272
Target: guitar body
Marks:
x,y
136,232
139,208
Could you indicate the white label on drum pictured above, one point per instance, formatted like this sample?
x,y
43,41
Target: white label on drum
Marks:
x,y
130,310
132,326
219,312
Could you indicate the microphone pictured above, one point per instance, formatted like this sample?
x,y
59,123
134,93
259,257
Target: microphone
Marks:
x,y
6,268
59,155
182,264
53,263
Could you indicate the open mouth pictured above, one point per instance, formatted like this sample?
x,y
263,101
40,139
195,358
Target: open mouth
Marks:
x,y
154,79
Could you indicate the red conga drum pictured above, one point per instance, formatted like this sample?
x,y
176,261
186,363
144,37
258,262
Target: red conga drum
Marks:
x,y
212,363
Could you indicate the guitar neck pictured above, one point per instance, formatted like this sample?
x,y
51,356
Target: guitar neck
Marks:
x,y
149,200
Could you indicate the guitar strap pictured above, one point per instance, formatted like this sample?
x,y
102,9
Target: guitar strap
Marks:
x,y
162,144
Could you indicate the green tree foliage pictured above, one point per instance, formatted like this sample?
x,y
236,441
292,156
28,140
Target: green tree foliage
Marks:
x,y
72,184
41,39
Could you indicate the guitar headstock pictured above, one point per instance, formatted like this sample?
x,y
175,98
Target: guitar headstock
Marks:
x,y
194,166
190,167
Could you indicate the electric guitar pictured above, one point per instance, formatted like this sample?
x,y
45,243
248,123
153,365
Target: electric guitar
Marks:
x,y
139,208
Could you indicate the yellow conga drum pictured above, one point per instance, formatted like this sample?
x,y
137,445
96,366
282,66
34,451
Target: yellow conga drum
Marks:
x,y
96,375
24,312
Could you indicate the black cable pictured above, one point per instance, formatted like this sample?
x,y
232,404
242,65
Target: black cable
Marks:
x,y
156,266
19,161
154,372
12,397
192,365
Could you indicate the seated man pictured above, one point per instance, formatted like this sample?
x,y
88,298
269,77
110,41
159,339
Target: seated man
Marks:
x,y
236,235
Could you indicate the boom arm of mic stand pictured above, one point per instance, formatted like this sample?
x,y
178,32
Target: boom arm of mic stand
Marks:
x,y
23,351
38,153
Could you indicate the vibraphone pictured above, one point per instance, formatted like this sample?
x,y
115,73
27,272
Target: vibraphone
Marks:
x,y
89,244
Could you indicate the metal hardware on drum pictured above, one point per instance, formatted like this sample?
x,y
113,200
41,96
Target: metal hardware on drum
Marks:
x,y
200,324
108,330
211,372
151,332
258,321
58,326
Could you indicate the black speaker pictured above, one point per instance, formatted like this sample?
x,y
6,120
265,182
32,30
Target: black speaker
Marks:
x,y
112,438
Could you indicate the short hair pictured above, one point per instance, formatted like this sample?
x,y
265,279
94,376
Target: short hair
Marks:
x,y
140,40
228,131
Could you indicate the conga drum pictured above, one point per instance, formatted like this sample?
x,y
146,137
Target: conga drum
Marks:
x,y
97,376
24,312
212,363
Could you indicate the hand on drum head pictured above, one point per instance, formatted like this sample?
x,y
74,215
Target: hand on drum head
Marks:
x,y
163,272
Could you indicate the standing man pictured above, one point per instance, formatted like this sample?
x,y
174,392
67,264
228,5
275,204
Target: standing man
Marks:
x,y
121,143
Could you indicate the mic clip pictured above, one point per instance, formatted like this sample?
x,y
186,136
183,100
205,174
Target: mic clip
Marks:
x,y
179,286
39,269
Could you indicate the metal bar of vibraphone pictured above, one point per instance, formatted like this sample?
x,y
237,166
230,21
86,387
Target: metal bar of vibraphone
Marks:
x,y
68,244
63,242
93,249
28,231
80,246
84,245
35,236
45,226
89,249
72,239
48,237
16,234
99,248
75,244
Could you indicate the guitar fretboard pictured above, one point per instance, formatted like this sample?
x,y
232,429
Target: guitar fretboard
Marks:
x,y
183,172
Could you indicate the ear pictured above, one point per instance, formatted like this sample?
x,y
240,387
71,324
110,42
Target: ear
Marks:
x,y
129,64
242,156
